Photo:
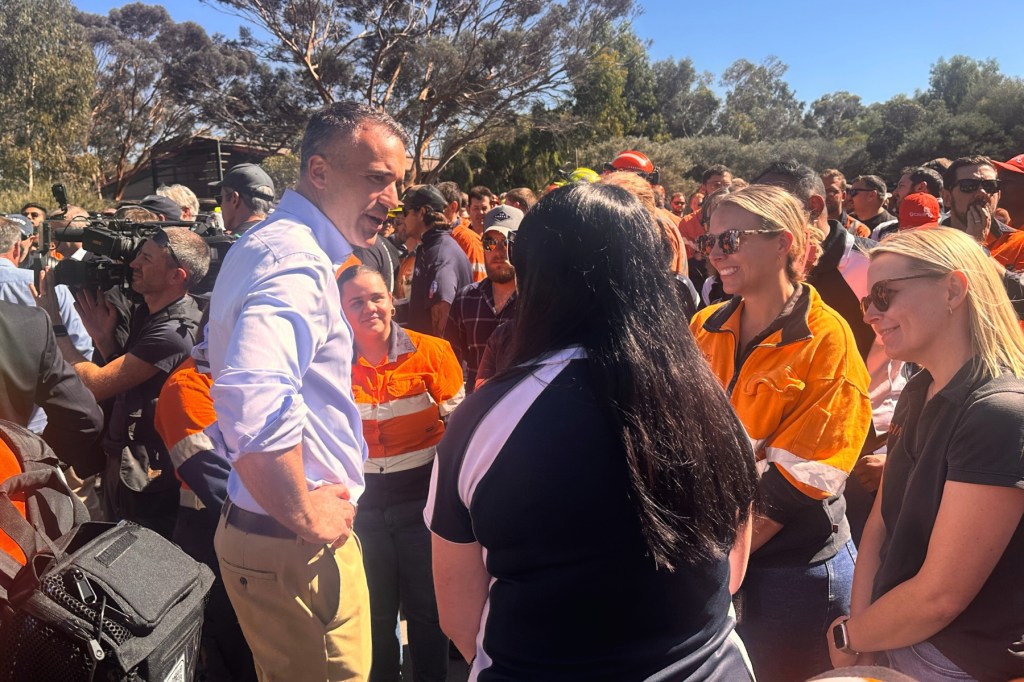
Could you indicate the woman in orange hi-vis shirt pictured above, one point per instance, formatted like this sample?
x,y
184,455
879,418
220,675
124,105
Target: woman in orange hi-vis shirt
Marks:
x,y
405,384
790,366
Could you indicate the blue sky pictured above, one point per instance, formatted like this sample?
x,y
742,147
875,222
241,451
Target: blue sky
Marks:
x,y
872,49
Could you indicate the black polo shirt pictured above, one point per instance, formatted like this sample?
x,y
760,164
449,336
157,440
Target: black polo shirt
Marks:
x,y
531,468
164,339
972,431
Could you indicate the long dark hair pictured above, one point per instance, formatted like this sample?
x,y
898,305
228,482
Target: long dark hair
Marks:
x,y
589,265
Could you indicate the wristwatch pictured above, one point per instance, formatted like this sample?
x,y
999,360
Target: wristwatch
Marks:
x,y
60,330
841,638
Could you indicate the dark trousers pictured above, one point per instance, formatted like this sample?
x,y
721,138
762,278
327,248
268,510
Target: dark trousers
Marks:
x,y
156,511
396,555
224,655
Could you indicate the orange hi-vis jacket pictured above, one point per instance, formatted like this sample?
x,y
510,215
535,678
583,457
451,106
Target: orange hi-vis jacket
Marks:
x,y
801,391
183,411
402,402
472,244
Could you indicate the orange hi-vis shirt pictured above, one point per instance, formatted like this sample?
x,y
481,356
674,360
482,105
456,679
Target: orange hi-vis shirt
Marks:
x,y
472,244
690,227
801,391
402,402
183,411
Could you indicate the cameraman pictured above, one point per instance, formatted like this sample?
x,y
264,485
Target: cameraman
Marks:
x,y
139,482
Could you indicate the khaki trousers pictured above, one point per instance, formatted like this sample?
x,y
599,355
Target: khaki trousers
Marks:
x,y
304,609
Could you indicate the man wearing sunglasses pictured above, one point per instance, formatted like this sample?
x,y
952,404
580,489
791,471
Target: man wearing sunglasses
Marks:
x,y
971,194
868,195
479,308
139,482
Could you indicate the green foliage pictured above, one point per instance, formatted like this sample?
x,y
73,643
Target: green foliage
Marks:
x,y
283,169
759,104
44,104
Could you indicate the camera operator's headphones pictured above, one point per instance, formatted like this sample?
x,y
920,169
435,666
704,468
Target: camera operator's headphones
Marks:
x,y
638,163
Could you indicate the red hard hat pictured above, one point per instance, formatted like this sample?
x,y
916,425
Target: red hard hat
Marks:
x,y
632,160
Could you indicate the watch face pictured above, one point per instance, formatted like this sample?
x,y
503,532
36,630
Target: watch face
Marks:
x,y
839,637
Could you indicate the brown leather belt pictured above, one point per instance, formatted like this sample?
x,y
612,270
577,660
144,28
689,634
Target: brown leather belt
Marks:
x,y
257,524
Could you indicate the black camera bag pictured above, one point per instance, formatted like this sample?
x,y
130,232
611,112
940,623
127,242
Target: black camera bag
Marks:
x,y
101,602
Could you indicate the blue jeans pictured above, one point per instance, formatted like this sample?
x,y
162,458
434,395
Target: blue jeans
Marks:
x,y
924,662
396,556
785,613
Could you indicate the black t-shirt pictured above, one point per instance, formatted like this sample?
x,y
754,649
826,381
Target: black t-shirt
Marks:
x,y
882,217
442,269
382,257
164,339
972,431
530,468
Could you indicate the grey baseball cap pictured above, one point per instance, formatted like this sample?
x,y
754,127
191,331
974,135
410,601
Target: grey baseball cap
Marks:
x,y
27,229
503,219
248,179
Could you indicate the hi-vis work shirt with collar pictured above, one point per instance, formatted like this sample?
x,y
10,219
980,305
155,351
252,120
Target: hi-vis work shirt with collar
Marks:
x,y
801,391
402,401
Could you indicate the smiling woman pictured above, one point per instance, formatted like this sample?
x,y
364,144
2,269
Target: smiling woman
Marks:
x,y
937,584
791,368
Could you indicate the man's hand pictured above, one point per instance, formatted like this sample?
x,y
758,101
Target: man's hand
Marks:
x,y
868,471
979,222
98,315
46,297
334,515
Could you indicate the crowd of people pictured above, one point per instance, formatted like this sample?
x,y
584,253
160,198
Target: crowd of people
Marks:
x,y
599,431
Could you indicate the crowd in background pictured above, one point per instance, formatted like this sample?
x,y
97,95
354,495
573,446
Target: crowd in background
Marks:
x,y
594,431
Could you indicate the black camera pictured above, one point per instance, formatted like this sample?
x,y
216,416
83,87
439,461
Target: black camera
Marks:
x,y
113,243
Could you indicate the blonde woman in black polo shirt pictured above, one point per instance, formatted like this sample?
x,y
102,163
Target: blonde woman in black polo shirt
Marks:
x,y
938,579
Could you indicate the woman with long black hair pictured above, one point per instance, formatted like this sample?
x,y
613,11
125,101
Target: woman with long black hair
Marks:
x,y
590,504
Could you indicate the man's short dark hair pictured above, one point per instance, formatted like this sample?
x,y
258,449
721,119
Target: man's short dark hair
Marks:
x,y
33,204
481,192
931,178
949,177
797,178
873,182
717,169
450,191
343,119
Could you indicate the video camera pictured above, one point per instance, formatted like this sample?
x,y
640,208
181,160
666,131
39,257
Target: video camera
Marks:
x,y
114,243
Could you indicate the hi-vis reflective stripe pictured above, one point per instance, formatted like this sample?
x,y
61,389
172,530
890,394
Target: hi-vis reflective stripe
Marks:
x,y
809,475
478,269
448,406
399,407
188,446
410,460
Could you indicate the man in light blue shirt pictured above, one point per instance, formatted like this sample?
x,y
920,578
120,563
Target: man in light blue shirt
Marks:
x,y
280,353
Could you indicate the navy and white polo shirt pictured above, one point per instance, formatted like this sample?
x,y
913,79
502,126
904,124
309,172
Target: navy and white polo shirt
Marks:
x,y
531,468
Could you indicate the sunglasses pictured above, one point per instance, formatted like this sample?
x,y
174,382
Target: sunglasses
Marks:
x,y
853,191
161,239
970,186
881,294
728,241
490,243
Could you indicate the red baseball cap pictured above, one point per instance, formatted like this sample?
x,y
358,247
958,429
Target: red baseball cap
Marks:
x,y
1014,165
918,210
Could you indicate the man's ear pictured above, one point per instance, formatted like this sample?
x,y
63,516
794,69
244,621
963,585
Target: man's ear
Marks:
x,y
816,204
316,170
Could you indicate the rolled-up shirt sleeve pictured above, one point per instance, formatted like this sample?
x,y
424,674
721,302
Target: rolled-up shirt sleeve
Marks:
x,y
281,321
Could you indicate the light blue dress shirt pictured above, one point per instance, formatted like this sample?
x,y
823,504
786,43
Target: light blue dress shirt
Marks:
x,y
280,350
14,288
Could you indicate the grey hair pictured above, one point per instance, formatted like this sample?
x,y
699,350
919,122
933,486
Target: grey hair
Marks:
x,y
344,120
10,234
192,252
181,195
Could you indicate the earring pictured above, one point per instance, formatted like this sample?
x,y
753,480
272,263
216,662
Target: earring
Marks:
x,y
949,309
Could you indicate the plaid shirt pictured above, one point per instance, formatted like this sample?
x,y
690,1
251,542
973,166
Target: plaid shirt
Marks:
x,y
471,322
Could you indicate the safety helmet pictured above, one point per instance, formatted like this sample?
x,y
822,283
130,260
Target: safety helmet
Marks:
x,y
637,162
582,174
